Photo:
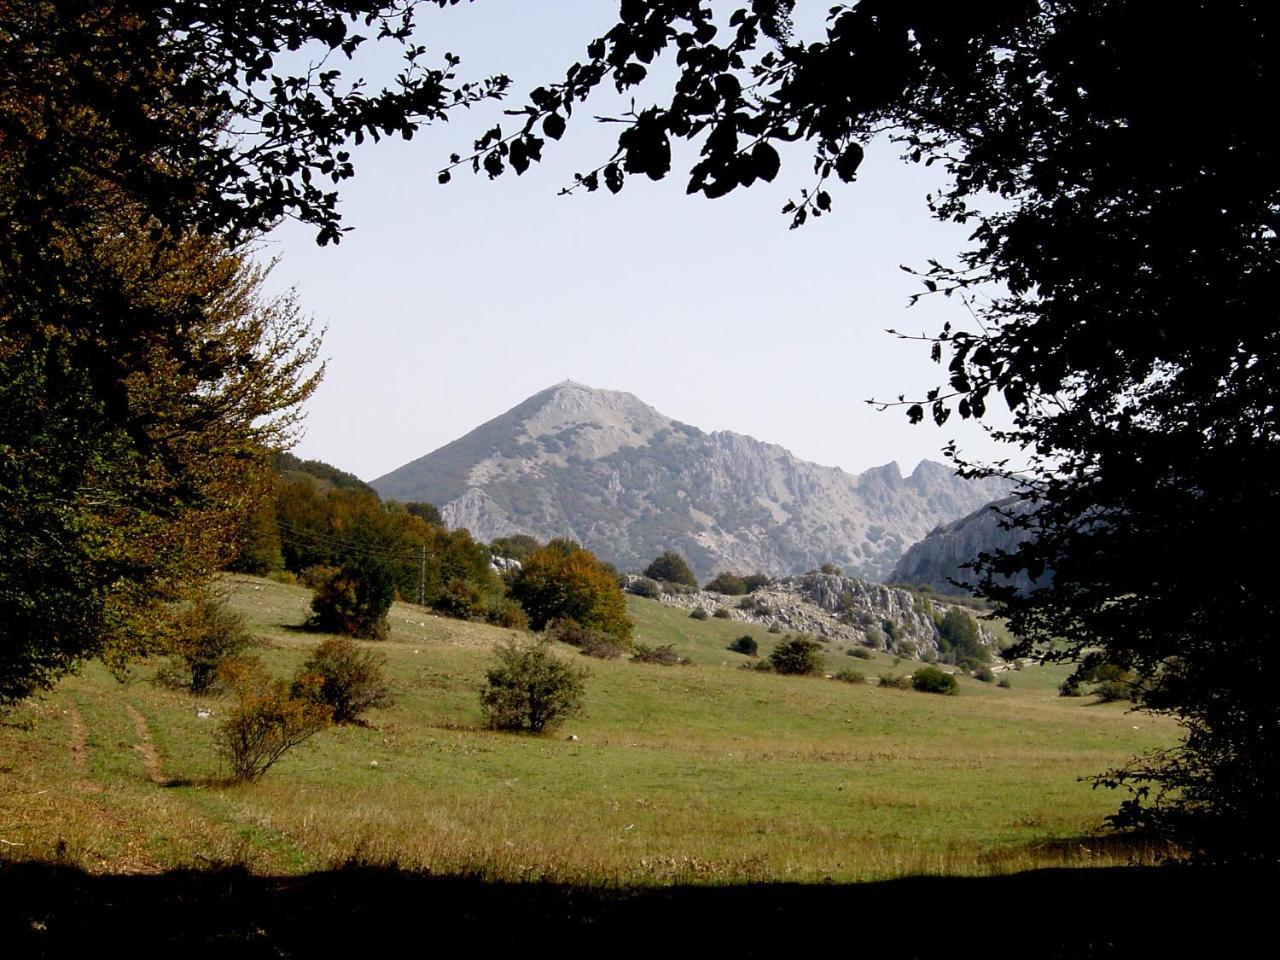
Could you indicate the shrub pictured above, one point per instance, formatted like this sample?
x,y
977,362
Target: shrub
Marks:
x,y
698,613
985,674
774,628
287,577
745,644
755,581
350,679
800,656
862,653
747,603
722,614
672,568
531,689
355,600
268,719
1005,682
851,676
895,681
459,599
933,680
505,612
665,654
728,584
644,587
205,634
591,642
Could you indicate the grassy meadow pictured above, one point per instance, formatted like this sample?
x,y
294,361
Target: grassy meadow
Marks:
x,y
704,773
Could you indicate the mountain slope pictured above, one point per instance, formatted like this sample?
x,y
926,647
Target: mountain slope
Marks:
x,y
937,559
609,471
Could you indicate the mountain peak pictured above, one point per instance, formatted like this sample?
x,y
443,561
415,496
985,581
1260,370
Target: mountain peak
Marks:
x,y
606,469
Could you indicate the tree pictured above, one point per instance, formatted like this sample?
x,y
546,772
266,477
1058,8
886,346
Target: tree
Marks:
x,y
141,375
117,506
1122,289
800,656
561,581
960,641
671,568
354,601
531,689
269,718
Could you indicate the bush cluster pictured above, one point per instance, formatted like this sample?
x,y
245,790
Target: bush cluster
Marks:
x,y
205,634
799,656
531,689
745,644
350,680
933,680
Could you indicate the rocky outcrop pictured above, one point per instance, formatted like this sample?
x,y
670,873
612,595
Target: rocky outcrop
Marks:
x,y
609,471
837,609
938,559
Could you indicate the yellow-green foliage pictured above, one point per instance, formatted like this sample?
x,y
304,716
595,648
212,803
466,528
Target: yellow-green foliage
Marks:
x,y
568,583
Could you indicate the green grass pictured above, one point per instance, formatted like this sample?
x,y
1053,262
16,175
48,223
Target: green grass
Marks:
x,y
704,772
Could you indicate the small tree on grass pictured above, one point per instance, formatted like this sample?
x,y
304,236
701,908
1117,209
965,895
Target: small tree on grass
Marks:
x,y
671,568
268,719
205,634
531,689
800,656
350,679
745,644
355,600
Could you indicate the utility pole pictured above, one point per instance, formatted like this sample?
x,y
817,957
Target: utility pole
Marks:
x,y
422,575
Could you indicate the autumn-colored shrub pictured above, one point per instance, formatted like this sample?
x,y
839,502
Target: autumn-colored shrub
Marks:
x,y
268,719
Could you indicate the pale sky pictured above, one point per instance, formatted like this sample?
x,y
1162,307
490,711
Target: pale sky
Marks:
x,y
447,305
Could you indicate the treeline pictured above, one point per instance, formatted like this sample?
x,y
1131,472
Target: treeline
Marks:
x,y
316,520
327,529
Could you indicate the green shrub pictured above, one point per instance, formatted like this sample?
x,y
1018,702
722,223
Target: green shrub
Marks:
x,y
862,653
287,577
531,689
800,656
895,681
698,613
774,628
350,679
672,568
933,680
985,674
722,614
205,634
728,584
664,654
268,719
1004,681
644,587
851,676
745,644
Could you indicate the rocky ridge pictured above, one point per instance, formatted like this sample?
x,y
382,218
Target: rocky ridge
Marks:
x,y
611,472
833,608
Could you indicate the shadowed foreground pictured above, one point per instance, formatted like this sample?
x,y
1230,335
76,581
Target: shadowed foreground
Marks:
x,y
50,910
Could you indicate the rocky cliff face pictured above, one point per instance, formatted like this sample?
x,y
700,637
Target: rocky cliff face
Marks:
x,y
939,558
611,472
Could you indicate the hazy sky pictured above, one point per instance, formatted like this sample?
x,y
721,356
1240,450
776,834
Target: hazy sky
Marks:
x,y
447,305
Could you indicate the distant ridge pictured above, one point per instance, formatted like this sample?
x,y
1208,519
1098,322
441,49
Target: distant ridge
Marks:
x,y
608,470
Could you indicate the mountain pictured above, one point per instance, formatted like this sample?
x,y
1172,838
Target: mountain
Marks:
x,y
611,472
936,560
